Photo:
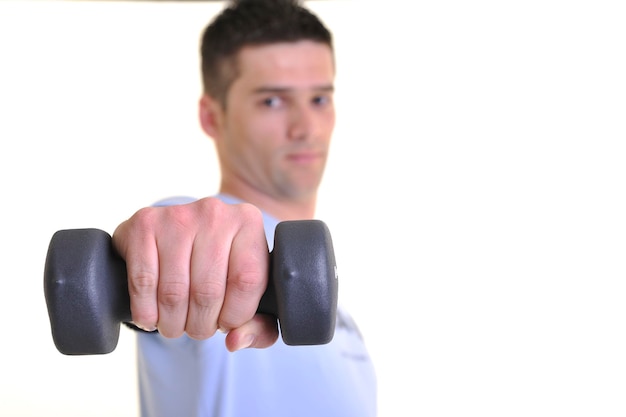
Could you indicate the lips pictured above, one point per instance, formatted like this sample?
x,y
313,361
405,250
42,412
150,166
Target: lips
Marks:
x,y
304,157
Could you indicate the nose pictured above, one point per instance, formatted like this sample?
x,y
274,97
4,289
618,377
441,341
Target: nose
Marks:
x,y
301,123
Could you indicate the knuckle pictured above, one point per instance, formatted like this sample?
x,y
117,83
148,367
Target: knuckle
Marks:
x,y
172,294
207,294
250,212
144,218
175,217
142,282
213,210
211,206
247,281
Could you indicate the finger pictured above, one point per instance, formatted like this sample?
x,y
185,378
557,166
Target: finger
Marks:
x,y
260,332
173,289
247,275
142,266
209,268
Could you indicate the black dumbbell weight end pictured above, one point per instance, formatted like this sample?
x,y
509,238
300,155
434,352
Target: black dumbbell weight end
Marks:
x,y
86,291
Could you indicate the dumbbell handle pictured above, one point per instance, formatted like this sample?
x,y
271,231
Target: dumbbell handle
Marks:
x,y
86,288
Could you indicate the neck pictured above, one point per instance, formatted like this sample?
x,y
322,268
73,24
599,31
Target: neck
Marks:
x,y
281,208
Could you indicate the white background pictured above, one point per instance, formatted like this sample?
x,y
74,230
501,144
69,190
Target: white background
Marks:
x,y
475,193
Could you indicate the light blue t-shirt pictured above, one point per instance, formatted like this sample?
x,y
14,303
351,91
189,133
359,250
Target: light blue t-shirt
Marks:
x,y
189,378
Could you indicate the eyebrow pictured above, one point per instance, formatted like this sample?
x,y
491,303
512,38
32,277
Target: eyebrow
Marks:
x,y
276,89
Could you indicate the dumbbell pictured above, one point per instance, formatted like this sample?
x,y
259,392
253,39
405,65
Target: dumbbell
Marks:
x,y
86,288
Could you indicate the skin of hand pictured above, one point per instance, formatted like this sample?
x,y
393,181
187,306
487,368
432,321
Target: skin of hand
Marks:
x,y
199,267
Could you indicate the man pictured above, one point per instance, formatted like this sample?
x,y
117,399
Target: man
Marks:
x,y
197,269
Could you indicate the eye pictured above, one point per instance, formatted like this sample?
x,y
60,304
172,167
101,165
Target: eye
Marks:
x,y
272,102
322,100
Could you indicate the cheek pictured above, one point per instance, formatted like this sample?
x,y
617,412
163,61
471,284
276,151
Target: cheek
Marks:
x,y
266,133
256,142
327,123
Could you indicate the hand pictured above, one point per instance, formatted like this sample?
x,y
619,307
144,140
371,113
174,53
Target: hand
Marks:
x,y
197,268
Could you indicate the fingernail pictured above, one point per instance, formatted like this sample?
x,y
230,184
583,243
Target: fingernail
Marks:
x,y
146,329
246,342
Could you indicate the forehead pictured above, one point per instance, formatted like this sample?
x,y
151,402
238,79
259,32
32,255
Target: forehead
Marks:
x,y
302,64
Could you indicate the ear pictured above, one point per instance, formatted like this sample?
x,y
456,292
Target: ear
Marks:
x,y
210,115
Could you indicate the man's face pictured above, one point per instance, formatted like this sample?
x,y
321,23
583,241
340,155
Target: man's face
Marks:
x,y
275,132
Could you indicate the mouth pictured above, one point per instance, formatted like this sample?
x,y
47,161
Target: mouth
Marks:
x,y
304,157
